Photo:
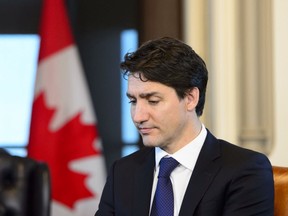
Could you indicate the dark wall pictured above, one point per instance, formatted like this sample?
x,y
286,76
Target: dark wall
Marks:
x,y
97,25
19,16
160,18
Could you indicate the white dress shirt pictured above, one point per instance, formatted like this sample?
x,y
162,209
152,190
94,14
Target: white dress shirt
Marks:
x,y
180,176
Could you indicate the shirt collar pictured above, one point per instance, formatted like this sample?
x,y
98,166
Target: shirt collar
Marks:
x,y
186,156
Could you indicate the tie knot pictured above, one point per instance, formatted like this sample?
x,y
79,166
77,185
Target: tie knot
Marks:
x,y
167,165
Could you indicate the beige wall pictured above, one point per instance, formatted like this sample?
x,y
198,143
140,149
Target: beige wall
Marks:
x,y
244,44
279,154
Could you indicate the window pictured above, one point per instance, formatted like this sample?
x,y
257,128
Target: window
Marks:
x,y
18,65
130,136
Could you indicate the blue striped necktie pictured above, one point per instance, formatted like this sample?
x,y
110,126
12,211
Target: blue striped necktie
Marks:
x,y
163,203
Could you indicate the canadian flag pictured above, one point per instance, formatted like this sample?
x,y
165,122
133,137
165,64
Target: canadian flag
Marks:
x,y
63,130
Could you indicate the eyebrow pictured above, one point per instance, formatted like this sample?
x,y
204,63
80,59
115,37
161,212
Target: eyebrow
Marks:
x,y
143,95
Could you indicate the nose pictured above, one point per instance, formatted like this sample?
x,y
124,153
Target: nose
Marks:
x,y
139,113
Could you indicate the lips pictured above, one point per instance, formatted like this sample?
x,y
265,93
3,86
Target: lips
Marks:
x,y
145,130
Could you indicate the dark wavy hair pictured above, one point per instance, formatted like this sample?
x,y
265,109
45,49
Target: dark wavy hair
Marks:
x,y
171,62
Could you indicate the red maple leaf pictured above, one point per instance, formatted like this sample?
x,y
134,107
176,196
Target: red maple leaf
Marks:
x,y
58,148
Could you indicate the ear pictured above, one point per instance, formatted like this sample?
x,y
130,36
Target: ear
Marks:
x,y
192,98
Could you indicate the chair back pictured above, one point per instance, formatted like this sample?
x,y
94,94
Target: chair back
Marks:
x,y
281,191
24,186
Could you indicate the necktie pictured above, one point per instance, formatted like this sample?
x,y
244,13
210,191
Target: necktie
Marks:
x,y
163,203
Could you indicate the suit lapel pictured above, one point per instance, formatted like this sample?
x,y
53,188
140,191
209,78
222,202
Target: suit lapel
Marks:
x,y
204,172
143,181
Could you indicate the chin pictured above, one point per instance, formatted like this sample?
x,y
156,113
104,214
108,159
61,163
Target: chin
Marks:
x,y
151,141
150,144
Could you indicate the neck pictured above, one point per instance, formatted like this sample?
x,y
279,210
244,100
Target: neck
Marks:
x,y
192,131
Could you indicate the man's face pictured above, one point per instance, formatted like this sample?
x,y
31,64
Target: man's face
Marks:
x,y
159,115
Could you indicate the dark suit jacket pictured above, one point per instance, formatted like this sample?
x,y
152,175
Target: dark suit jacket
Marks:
x,y
227,180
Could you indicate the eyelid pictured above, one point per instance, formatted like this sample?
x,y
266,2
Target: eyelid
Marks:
x,y
154,101
130,97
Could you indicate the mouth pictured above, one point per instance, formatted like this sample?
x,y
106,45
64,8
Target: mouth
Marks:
x,y
144,130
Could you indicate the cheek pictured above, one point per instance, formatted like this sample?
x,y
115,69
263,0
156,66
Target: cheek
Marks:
x,y
175,116
132,112
169,117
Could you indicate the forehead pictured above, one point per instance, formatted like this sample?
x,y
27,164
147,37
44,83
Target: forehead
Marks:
x,y
136,86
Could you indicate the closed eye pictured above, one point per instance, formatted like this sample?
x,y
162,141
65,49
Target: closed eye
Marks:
x,y
153,102
132,102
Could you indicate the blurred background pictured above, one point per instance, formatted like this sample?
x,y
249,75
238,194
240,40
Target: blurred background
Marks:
x,y
243,42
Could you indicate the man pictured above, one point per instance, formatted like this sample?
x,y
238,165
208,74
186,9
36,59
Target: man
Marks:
x,y
166,87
